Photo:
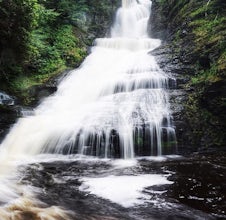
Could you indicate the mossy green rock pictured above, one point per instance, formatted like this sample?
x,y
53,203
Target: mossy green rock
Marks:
x,y
194,50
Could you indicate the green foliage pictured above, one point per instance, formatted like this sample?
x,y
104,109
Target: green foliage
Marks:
x,y
44,58
222,63
10,24
70,11
208,28
50,52
205,24
45,16
17,19
208,76
73,12
208,24
38,41
41,38
72,51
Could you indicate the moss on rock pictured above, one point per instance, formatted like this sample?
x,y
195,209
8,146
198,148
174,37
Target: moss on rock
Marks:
x,y
195,38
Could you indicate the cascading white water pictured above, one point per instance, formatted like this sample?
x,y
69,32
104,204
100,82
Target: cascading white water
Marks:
x,y
114,105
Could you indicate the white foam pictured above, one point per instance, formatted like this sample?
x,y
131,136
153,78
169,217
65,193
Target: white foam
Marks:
x,y
159,158
121,163
124,190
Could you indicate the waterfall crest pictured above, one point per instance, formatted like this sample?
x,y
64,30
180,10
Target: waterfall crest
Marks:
x,y
115,105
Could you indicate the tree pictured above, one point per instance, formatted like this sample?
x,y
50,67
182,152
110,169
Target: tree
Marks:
x,y
17,20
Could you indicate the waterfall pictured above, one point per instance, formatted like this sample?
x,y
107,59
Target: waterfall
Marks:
x,y
115,105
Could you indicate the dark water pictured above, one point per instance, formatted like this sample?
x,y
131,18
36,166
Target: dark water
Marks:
x,y
198,190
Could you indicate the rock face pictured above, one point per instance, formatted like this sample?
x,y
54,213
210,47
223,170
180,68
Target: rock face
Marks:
x,y
97,20
8,113
194,54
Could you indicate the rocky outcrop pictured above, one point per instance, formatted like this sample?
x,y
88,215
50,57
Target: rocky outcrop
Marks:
x,y
192,53
8,113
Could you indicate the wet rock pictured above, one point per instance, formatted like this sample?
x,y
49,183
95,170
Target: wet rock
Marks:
x,y
173,66
37,93
214,95
158,28
8,116
204,61
199,182
8,113
5,99
97,23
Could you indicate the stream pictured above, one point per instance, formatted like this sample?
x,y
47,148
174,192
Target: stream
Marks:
x,y
169,187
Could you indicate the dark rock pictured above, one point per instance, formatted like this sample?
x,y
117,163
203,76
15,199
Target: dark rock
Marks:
x,y
8,113
8,116
199,181
204,61
5,99
37,93
97,22
214,95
